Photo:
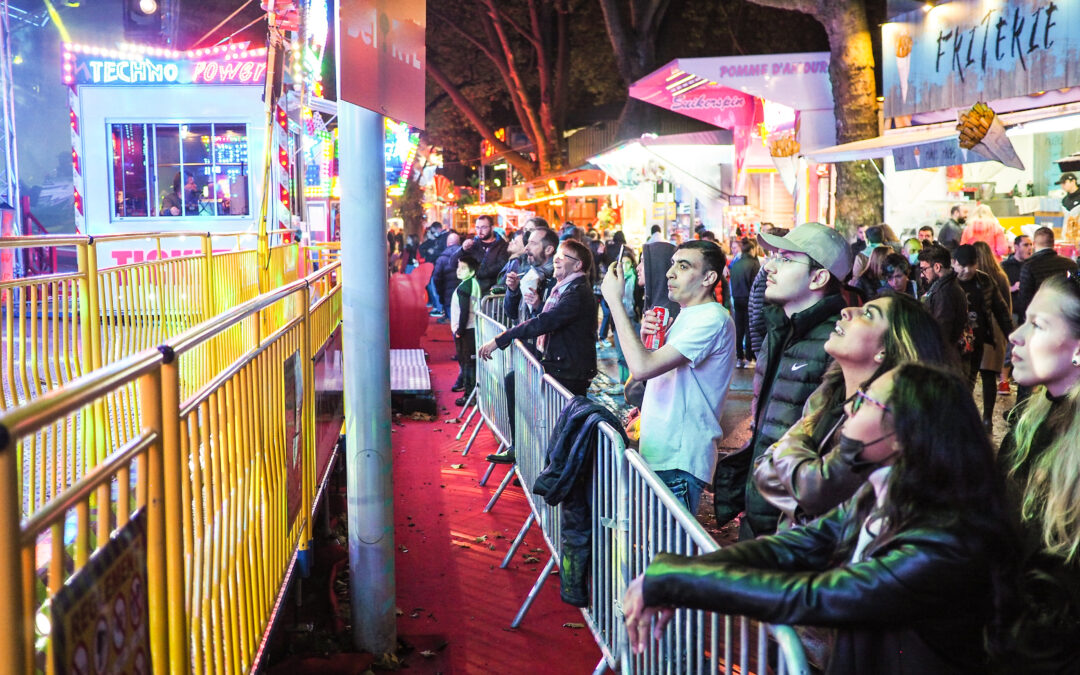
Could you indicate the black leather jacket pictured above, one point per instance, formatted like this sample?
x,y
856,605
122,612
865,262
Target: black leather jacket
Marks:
x,y
570,326
916,603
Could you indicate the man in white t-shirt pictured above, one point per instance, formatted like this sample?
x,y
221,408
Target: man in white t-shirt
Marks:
x,y
688,377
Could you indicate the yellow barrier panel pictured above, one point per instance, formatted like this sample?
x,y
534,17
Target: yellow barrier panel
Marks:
x,y
227,476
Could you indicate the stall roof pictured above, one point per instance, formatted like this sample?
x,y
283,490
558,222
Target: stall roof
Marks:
x,y
881,146
696,160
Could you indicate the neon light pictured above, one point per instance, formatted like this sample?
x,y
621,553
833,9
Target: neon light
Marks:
x,y
229,64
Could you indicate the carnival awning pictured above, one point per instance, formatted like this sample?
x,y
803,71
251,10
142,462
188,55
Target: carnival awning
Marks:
x,y
723,91
696,160
933,145
881,146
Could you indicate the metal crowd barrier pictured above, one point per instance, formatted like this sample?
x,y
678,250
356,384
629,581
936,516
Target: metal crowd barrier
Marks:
x,y
226,482
634,517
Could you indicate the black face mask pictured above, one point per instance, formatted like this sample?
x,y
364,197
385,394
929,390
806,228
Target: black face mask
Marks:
x,y
960,220
849,447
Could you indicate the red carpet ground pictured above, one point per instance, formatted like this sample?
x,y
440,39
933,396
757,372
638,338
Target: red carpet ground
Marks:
x,y
455,603
450,588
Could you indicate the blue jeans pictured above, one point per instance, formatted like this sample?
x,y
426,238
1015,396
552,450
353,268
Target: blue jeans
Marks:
x,y
433,296
685,486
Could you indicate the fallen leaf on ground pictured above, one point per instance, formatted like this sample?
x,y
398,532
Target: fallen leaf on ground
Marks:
x,y
457,466
421,416
573,625
481,539
531,559
427,654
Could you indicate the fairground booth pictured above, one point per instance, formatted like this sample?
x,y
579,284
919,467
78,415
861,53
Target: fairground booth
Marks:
x,y
771,106
981,102
165,141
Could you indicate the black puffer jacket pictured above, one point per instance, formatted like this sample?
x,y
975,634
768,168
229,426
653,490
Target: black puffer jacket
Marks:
x,y
789,368
915,604
570,326
756,308
566,480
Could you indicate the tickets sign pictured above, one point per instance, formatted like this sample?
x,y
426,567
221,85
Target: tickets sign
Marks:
x,y
99,618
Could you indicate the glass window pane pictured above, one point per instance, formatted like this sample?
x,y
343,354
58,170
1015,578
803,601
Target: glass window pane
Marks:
x,y
167,145
230,169
129,170
198,169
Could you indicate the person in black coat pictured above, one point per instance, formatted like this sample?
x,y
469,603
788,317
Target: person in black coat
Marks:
x,y
445,273
909,571
566,328
1043,263
743,272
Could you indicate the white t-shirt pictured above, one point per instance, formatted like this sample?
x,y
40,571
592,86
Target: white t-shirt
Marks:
x,y
680,414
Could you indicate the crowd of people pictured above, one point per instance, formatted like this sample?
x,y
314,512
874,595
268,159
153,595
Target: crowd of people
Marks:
x,y
870,498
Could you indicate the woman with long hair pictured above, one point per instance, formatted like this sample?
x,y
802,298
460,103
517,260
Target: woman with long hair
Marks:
x,y
993,360
908,571
871,282
1042,457
810,470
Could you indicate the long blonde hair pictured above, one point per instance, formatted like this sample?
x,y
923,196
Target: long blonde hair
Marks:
x,y
1051,495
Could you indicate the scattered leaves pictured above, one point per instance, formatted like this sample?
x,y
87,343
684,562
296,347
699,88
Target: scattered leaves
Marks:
x,y
531,559
457,466
481,539
421,416
573,625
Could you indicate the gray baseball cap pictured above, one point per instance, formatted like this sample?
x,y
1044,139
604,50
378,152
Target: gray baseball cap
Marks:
x,y
821,243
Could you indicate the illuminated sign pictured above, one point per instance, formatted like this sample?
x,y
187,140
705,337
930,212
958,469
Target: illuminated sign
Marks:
x,y
232,64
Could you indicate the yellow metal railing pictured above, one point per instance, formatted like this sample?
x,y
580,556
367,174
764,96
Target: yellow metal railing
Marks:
x,y
226,473
60,326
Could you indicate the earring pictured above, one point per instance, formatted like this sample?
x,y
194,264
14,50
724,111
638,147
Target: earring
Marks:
x,y
1076,361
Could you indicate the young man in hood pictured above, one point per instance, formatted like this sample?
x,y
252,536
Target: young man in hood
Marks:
x,y
805,271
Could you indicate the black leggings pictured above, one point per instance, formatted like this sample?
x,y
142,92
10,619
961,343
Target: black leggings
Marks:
x,y
989,392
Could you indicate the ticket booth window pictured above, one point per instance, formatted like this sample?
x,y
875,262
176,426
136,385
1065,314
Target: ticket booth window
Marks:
x,y
179,170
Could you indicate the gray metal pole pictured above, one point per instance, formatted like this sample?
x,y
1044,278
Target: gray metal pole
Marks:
x,y
366,355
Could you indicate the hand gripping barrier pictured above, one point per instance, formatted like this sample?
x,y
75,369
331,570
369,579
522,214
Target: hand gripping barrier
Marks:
x,y
634,517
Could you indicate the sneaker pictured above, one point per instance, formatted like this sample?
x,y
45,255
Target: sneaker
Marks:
x,y
457,387
507,457
1003,388
461,400
435,312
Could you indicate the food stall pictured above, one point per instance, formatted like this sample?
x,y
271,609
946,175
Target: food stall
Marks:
x,y
773,105
969,116
164,141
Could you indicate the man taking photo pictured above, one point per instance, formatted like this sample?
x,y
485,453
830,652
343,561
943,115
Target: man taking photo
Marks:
x,y
688,377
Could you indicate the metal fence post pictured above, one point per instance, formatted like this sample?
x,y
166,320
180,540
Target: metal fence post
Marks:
x,y
150,392
173,474
13,625
307,430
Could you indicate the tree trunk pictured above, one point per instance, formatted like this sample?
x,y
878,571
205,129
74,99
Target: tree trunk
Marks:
x,y
859,192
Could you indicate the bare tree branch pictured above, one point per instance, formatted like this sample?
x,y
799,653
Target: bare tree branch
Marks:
x,y
531,119
620,39
519,162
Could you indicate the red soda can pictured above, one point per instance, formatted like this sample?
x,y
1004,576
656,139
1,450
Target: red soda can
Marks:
x,y
656,340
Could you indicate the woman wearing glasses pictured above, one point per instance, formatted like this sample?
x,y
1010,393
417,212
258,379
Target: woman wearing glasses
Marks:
x,y
810,470
1041,456
907,571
